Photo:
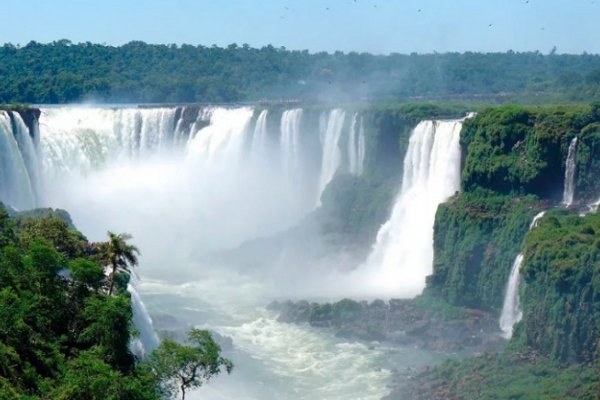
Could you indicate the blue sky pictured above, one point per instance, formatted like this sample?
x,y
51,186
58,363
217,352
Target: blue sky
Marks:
x,y
379,26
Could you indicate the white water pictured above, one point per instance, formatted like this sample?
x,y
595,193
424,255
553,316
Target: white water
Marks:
x,y
92,157
332,124
536,219
403,253
592,208
569,189
275,360
146,339
28,152
356,146
16,188
361,151
290,142
511,308
79,141
259,138
186,189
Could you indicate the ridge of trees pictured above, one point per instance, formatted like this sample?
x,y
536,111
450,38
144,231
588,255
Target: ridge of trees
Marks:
x,y
63,71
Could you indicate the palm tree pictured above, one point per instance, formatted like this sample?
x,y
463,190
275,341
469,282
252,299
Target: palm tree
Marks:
x,y
119,255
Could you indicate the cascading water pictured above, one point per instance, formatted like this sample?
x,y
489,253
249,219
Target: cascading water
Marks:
x,y
82,140
146,339
28,151
16,188
332,125
187,182
403,253
259,138
290,142
593,207
569,190
221,142
511,308
361,151
356,146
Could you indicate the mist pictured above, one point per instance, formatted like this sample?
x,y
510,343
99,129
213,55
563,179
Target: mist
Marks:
x,y
195,189
229,207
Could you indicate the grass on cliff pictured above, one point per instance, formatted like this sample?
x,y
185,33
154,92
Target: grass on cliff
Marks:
x,y
508,376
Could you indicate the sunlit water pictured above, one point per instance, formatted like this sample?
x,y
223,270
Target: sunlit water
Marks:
x,y
186,188
277,360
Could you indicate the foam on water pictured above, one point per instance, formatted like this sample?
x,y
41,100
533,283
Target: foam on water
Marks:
x,y
189,182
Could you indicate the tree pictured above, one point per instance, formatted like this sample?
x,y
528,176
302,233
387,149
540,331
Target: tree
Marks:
x,y
61,335
119,255
87,272
53,230
88,377
182,367
107,321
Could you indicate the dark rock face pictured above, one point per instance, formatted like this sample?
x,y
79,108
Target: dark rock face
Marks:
x,y
189,115
402,322
31,117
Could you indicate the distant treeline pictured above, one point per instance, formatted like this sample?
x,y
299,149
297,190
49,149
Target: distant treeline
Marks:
x,y
62,71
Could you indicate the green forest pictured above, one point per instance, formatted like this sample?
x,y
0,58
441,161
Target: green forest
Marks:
x,y
65,325
62,72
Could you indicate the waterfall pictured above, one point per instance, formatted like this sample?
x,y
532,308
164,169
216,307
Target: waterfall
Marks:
x,y
259,138
591,208
146,339
356,146
240,174
229,166
569,190
331,131
221,142
16,188
81,140
361,149
402,255
290,142
511,308
352,148
536,219
28,151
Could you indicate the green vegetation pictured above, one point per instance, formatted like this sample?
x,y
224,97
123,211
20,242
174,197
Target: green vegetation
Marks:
x,y
62,71
519,150
61,337
561,295
181,367
587,182
477,236
508,376
65,326
120,255
356,206
513,168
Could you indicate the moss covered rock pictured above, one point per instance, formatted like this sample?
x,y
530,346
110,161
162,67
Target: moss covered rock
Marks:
x,y
561,295
476,238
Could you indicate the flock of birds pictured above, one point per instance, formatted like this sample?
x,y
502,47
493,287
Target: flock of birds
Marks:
x,y
420,10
